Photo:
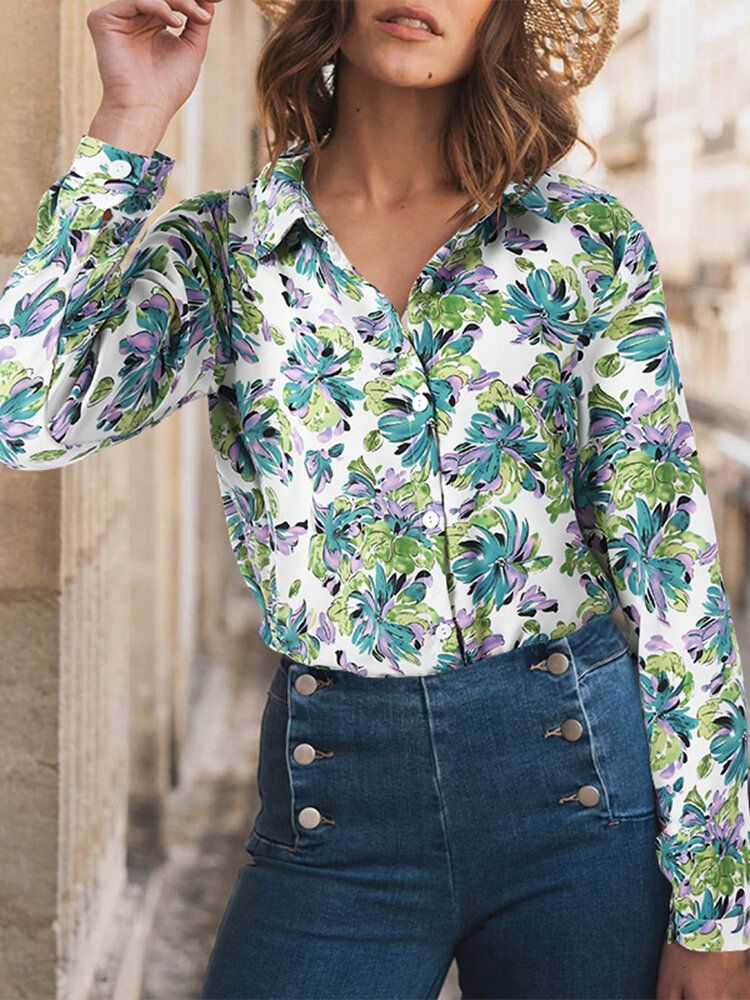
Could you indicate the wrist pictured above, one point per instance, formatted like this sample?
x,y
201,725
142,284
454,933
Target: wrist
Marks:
x,y
138,131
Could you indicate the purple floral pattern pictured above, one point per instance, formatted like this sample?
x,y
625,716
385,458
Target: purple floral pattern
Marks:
x,y
408,494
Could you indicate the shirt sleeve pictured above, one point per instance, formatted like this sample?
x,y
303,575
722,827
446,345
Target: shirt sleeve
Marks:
x,y
642,504
92,351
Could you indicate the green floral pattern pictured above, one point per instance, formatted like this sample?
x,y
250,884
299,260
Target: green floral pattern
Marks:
x,y
408,494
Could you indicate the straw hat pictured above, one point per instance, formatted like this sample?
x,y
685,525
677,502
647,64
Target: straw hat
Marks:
x,y
573,37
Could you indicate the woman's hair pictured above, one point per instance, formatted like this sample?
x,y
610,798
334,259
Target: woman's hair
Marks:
x,y
510,121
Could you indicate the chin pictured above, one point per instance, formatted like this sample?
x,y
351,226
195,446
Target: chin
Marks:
x,y
400,70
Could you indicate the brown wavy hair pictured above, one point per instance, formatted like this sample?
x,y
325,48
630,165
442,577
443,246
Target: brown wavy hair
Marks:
x,y
510,120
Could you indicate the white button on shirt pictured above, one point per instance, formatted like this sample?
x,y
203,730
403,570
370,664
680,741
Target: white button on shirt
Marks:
x,y
430,519
120,168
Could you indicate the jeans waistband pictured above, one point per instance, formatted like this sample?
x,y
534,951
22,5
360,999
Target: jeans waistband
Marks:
x,y
599,639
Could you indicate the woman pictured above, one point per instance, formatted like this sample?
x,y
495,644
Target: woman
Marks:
x,y
454,451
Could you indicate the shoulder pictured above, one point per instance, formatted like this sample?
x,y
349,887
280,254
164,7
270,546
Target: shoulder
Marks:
x,y
569,197
601,221
593,230
574,203
611,213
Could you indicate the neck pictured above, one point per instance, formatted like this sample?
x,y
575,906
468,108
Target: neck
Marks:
x,y
391,153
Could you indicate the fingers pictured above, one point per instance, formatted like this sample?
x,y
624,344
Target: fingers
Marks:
x,y
192,10
196,27
197,12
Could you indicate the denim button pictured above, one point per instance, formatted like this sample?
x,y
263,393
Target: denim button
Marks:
x,y
304,753
588,795
309,817
305,684
572,729
557,663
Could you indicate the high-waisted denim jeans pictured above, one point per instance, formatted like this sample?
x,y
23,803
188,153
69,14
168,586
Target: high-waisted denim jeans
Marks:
x,y
502,814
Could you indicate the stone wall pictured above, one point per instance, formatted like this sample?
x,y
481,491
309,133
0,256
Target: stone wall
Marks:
x,y
114,572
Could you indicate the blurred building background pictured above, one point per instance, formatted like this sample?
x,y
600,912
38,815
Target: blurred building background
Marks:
x,y
132,677
670,116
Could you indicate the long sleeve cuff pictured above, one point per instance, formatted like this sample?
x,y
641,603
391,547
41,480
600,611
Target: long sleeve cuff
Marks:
x,y
710,909
101,170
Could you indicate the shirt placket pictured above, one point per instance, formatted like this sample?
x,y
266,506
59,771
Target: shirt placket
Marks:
x,y
446,634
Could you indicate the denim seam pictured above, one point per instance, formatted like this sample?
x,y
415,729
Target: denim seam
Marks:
x,y
270,840
600,663
443,819
592,746
614,818
277,698
635,817
292,797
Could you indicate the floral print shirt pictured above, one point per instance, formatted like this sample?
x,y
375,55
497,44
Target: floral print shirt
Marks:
x,y
408,494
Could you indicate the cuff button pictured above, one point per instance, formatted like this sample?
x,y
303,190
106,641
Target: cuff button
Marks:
x,y
120,168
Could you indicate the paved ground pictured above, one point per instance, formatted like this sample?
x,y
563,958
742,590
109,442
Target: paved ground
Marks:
x,y
208,824
208,821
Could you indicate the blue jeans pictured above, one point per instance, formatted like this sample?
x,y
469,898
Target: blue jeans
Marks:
x,y
502,814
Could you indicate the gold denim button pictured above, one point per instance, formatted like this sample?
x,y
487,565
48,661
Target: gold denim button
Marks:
x,y
588,795
306,684
304,753
572,729
309,817
557,663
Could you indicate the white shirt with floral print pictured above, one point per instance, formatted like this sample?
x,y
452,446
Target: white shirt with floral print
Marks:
x,y
408,494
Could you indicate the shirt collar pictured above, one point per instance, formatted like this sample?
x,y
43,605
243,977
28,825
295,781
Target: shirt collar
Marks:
x,y
279,199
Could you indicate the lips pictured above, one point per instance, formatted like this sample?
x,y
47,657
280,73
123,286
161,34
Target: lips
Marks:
x,y
415,13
